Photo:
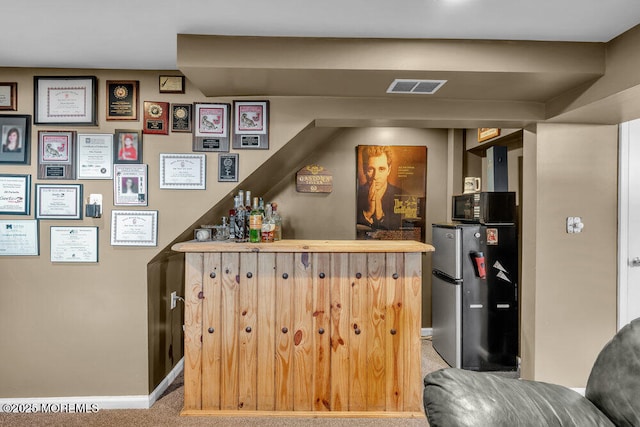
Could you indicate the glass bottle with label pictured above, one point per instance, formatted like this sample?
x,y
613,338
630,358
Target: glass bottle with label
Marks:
x,y
277,220
268,225
241,219
255,222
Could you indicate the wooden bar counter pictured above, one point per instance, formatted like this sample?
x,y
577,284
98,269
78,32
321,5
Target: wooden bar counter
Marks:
x,y
306,328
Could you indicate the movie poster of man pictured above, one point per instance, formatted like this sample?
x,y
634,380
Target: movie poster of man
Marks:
x,y
391,192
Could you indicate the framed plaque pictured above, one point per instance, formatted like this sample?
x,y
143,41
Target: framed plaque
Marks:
x,y
74,244
58,201
181,119
211,127
156,118
487,133
228,167
15,194
127,146
134,228
251,124
171,84
15,131
130,185
122,99
94,156
9,96
183,171
56,155
19,237
65,100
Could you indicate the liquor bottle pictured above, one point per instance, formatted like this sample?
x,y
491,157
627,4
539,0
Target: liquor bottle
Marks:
x,y
247,207
261,206
255,223
277,220
268,225
232,223
241,220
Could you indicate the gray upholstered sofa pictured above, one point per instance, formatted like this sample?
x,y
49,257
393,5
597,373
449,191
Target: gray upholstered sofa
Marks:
x,y
455,397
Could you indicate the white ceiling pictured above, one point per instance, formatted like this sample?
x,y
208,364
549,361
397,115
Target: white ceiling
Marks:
x,y
141,34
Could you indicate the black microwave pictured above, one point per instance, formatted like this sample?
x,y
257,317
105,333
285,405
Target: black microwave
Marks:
x,y
485,207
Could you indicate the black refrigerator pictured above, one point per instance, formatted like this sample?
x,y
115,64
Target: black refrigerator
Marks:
x,y
475,295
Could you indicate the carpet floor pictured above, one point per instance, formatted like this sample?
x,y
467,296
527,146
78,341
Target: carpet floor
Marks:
x,y
166,412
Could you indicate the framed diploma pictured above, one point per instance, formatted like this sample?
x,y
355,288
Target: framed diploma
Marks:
x,y
171,84
211,127
181,117
9,96
130,185
65,100
228,167
183,171
15,194
127,146
156,118
74,244
94,156
122,99
56,155
58,201
15,131
251,124
134,228
19,237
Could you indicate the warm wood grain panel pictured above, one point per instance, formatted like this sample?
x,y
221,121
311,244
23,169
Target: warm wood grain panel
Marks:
x,y
412,315
284,339
229,331
248,330
376,296
359,315
212,291
340,331
394,343
267,331
321,331
193,331
303,335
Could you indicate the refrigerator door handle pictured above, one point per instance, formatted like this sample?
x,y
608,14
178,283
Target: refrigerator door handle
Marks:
x,y
446,277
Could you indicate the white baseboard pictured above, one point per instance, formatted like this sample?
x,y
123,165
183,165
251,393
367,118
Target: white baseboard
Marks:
x,y
426,332
82,404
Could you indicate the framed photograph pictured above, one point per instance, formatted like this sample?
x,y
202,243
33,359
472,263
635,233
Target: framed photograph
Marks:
x,y
15,131
228,167
134,228
65,100
171,84
58,201
487,133
130,185
15,194
9,96
74,244
127,146
56,155
94,155
156,118
19,237
211,127
251,124
181,119
183,171
122,99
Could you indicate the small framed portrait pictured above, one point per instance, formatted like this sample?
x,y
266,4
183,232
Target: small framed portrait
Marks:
x,y
251,125
56,155
9,96
15,132
228,167
65,100
211,127
127,146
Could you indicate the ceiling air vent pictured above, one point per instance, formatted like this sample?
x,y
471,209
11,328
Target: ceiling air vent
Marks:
x,y
424,87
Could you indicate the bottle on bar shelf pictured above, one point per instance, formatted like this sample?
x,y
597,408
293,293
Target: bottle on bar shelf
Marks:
x,y
277,220
255,222
241,231
268,225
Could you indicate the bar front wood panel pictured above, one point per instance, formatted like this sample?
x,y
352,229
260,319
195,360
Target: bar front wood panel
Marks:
x,y
306,333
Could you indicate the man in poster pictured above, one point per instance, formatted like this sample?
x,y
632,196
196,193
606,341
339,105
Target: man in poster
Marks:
x,y
376,197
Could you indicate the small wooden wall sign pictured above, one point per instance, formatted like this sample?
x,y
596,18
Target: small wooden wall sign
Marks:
x,y
314,179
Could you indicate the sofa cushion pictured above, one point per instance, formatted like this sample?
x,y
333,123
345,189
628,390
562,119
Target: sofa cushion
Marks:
x,y
614,382
456,397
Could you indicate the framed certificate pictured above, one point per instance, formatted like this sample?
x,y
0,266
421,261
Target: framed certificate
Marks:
x,y
9,96
59,201
171,84
94,156
56,155
122,99
228,167
19,237
130,185
74,244
15,194
156,118
127,146
211,127
65,100
181,119
15,131
183,171
134,228
251,124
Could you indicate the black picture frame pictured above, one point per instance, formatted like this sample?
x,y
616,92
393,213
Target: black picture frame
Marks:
x,y
122,152
65,100
9,124
122,100
181,118
228,167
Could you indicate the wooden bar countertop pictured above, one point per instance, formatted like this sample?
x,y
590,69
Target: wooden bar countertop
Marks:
x,y
292,245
